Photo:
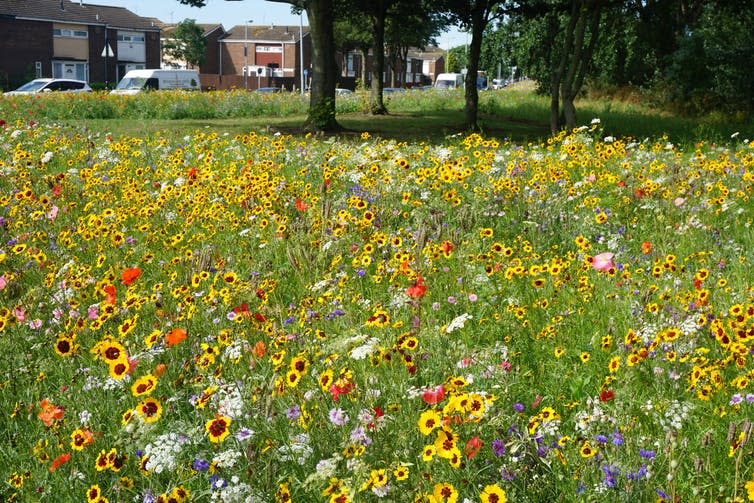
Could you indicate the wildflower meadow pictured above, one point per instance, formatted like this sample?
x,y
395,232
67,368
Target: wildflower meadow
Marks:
x,y
267,317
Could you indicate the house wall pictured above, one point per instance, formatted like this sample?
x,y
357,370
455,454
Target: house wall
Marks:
x,y
152,49
129,50
233,59
212,54
97,72
23,44
72,48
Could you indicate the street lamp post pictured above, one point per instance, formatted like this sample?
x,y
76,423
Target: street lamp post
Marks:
x,y
246,54
301,50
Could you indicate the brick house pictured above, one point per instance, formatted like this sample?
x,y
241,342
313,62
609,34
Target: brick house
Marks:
x,y
212,33
61,38
421,67
271,55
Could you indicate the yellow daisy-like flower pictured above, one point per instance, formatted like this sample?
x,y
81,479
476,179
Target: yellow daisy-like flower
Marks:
x,y
400,472
428,421
144,385
493,494
150,410
218,429
445,493
750,490
587,451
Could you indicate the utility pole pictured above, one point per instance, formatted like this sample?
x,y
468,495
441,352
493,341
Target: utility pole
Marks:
x,y
246,54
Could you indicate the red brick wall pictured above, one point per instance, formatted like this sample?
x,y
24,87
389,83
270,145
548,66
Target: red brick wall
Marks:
x,y
23,43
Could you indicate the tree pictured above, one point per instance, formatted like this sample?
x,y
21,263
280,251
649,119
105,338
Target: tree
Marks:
x,y
457,59
321,14
187,43
555,43
473,15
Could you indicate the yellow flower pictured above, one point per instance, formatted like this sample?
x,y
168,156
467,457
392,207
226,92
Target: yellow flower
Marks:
x,y
750,490
218,429
428,421
493,494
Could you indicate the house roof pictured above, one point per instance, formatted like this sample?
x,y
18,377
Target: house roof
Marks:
x,y
429,52
207,28
66,11
258,33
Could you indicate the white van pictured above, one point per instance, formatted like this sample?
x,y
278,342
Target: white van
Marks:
x,y
136,81
449,81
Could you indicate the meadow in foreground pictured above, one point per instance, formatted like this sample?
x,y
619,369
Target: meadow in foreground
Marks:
x,y
267,318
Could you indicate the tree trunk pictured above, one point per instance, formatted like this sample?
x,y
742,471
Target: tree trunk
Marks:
x,y
471,108
589,11
324,67
559,73
364,74
376,104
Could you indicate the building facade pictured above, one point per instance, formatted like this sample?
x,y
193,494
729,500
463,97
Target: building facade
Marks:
x,y
65,39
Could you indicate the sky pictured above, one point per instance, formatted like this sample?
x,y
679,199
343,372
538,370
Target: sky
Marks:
x,y
231,13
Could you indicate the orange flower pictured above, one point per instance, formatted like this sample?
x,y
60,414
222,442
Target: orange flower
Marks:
x,y
472,447
301,205
646,247
60,461
160,369
110,291
130,275
175,336
418,289
259,349
50,412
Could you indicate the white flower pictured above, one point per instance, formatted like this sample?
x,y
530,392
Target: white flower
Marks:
x,y
46,157
595,121
458,322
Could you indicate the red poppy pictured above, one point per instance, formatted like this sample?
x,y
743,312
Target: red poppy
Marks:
x,y
447,247
435,395
336,390
192,173
472,447
110,291
57,190
175,336
130,275
301,205
60,461
607,395
418,289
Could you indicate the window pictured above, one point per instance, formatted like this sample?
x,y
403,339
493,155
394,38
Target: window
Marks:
x,y
67,32
130,38
38,69
70,70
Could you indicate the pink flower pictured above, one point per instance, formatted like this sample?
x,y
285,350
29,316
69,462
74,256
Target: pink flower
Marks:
x,y
603,262
3,282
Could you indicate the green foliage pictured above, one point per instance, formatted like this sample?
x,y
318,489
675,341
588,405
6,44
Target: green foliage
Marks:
x,y
187,43
458,58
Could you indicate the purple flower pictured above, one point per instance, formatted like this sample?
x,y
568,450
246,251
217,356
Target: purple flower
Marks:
x,y
338,417
602,439
200,465
498,447
646,454
519,407
293,413
617,438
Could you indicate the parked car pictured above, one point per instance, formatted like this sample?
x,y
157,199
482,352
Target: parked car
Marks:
x,y
52,85
390,90
340,91
267,90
